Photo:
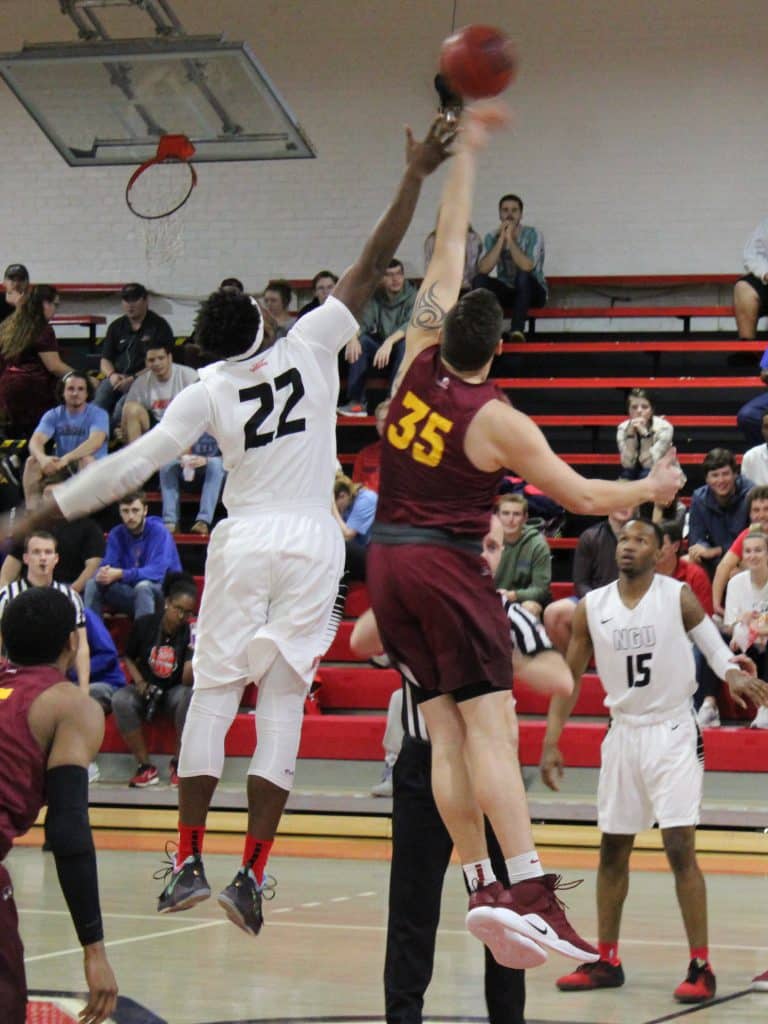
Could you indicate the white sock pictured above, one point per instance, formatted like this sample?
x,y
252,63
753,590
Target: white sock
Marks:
x,y
478,873
526,865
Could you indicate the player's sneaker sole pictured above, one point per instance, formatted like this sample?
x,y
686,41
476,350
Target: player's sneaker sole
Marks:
x,y
235,915
508,947
534,927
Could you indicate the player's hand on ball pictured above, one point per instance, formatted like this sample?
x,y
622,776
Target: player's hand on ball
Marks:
x,y
552,767
745,686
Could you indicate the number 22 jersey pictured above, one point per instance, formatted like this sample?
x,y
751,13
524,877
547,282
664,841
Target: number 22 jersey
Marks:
x,y
643,655
427,480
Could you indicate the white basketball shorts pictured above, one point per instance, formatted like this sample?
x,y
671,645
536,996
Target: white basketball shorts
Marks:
x,y
271,580
650,773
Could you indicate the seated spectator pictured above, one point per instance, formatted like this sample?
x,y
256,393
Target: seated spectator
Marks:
x,y
754,464
322,285
730,563
16,285
203,463
124,347
367,465
277,299
643,438
750,293
232,284
78,431
594,565
30,364
158,657
672,563
516,252
40,558
525,570
355,509
745,622
139,553
474,249
718,509
79,546
107,675
152,392
380,341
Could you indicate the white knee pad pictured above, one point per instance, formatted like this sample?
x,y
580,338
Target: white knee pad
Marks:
x,y
279,715
210,714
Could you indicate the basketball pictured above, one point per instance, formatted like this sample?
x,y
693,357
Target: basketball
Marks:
x,y
478,61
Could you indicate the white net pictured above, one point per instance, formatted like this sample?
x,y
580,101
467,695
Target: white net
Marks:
x,y
158,197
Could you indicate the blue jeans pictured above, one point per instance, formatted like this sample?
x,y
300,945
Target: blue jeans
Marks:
x,y
526,294
750,418
110,401
213,480
120,597
358,371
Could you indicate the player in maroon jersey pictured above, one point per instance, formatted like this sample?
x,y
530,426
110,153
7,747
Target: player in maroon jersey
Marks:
x,y
50,731
449,436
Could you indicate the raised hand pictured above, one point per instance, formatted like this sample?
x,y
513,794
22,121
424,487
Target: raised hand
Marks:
x,y
667,478
426,156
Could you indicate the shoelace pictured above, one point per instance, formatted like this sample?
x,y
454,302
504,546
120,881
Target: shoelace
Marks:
x,y
168,867
558,885
267,888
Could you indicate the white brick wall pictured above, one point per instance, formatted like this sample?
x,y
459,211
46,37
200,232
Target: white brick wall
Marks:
x,y
639,143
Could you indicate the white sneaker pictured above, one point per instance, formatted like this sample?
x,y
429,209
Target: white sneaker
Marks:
x,y
760,721
384,788
708,716
93,772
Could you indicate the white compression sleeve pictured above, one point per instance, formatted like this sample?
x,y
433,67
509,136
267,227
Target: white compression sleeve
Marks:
x,y
707,638
108,479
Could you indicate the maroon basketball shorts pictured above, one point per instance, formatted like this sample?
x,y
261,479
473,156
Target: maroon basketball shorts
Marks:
x,y
13,983
439,615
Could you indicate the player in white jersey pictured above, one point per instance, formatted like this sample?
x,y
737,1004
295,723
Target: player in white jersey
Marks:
x,y
640,630
274,565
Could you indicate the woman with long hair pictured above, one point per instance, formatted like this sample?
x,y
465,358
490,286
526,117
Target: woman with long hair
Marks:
x,y
30,363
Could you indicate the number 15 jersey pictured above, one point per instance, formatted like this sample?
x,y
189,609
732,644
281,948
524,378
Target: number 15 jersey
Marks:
x,y
643,655
426,478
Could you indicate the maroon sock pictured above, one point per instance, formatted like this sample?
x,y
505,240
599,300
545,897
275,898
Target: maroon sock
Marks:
x,y
255,855
190,842
609,951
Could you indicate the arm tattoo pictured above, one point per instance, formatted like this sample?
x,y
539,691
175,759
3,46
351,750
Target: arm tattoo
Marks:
x,y
428,314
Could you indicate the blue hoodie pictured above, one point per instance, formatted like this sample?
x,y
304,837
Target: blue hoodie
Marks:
x,y
146,557
716,525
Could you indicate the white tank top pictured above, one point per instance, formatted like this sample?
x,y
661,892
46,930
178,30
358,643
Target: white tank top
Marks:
x,y
643,655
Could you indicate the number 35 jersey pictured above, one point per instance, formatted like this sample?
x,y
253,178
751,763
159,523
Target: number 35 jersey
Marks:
x,y
426,478
643,655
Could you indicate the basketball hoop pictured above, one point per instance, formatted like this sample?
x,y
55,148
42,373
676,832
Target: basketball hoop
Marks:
x,y
156,192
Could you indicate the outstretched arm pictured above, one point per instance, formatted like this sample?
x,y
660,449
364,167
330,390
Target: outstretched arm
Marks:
x,y
357,284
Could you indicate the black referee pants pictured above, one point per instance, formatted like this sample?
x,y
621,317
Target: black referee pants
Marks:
x,y
421,851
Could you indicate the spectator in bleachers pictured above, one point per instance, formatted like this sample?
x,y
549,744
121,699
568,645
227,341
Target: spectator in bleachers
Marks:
x,y
322,285
232,284
672,563
107,675
474,249
367,466
30,364
139,553
77,429
202,464
16,285
158,657
516,252
750,293
80,548
152,392
124,347
277,299
355,509
745,624
525,570
594,565
730,563
754,464
718,509
643,438
380,339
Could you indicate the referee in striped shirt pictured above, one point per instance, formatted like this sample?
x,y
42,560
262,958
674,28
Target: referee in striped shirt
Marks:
x,y
40,559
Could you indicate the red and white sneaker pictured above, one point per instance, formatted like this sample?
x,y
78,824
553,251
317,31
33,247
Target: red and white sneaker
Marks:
x,y
760,982
146,775
508,947
532,909
699,984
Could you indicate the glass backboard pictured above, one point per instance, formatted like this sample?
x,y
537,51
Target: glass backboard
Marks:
x,y
109,102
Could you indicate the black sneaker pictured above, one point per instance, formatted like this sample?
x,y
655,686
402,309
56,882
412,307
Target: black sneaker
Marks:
x,y
600,974
242,898
185,887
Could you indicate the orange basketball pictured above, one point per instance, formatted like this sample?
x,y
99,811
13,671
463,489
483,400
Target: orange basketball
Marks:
x,y
478,61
